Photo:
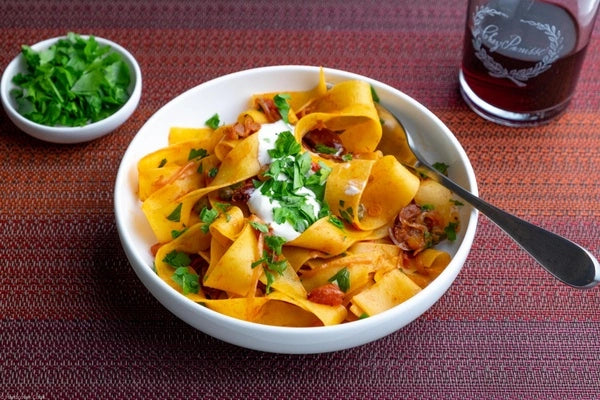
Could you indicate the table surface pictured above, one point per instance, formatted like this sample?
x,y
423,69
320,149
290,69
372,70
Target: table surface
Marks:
x,y
75,322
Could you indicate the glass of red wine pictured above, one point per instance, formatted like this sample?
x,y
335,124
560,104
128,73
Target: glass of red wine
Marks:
x,y
522,58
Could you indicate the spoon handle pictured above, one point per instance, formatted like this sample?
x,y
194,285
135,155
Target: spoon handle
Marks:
x,y
567,261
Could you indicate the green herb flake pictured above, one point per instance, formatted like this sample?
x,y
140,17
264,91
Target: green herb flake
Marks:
x,y
188,280
450,230
271,264
281,102
162,163
223,208
270,280
275,243
259,227
323,149
441,167
197,154
208,216
177,259
175,215
285,145
213,122
175,233
374,95
74,82
342,278
335,221
427,207
213,172
457,203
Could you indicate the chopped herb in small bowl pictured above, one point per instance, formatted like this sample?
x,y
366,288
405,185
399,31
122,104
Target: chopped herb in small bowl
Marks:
x,y
71,89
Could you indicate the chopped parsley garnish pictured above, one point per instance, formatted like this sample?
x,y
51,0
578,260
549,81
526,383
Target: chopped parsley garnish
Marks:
x,y
374,95
275,243
342,278
197,153
175,215
347,157
207,216
285,145
323,149
162,163
74,82
213,172
281,102
213,122
271,260
335,221
177,259
259,227
450,230
223,208
427,207
186,279
441,167
175,233
456,202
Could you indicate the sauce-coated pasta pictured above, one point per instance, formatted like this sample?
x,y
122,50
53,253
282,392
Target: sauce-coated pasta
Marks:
x,y
300,213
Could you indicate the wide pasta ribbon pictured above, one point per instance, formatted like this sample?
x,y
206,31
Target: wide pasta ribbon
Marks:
x,y
328,238
347,108
369,194
232,272
180,197
170,163
192,241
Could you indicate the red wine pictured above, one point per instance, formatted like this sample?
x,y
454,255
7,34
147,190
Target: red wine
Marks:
x,y
525,63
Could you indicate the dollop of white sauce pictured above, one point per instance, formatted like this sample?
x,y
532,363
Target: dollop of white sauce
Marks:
x,y
267,136
262,206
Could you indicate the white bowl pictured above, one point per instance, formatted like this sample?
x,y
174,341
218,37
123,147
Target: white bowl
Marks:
x,y
59,134
228,95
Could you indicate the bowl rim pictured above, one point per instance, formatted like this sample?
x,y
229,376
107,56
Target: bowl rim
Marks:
x,y
185,308
72,134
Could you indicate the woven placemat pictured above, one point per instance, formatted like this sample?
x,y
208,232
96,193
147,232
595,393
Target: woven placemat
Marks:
x,y
75,322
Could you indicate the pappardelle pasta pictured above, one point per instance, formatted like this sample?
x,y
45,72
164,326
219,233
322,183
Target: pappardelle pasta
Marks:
x,y
300,213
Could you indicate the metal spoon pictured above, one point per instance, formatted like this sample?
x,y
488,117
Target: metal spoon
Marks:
x,y
567,261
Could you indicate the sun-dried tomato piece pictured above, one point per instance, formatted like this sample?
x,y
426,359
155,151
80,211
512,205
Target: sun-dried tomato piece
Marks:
x,y
329,294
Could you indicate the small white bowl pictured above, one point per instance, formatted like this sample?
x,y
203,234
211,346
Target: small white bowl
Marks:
x,y
228,96
61,134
